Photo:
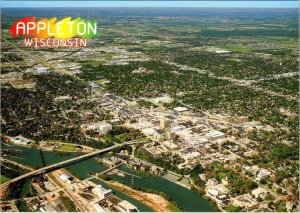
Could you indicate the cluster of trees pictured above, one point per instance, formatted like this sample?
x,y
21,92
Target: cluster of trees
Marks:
x,y
273,154
135,85
169,162
165,160
10,170
121,134
35,114
10,57
194,175
124,147
146,104
238,184
286,86
61,85
247,67
17,189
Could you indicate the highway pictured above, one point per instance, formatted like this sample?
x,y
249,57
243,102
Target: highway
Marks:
x,y
60,164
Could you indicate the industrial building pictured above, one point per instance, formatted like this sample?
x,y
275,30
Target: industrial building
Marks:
x,y
102,192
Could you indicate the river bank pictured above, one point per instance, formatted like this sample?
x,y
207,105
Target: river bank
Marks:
x,y
154,201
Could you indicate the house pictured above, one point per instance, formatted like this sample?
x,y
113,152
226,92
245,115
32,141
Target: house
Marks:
x,y
202,177
289,206
127,207
101,192
263,173
259,193
212,182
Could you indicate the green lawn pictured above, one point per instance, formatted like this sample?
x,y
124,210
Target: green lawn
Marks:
x,y
4,179
63,147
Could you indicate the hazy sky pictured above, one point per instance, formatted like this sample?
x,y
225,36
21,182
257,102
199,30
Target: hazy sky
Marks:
x,y
240,4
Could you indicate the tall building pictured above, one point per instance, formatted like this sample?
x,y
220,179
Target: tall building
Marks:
x,y
165,123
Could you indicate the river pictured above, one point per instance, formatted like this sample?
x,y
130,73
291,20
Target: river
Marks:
x,y
187,199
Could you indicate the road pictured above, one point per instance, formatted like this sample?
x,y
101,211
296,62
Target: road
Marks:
x,y
60,164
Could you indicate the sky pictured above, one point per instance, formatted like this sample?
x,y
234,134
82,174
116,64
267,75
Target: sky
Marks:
x,y
222,4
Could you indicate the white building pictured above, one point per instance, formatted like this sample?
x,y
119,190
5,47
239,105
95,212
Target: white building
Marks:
x,y
41,70
259,192
219,194
127,207
101,192
191,155
21,140
244,201
103,126
66,178
178,128
181,109
214,135
263,173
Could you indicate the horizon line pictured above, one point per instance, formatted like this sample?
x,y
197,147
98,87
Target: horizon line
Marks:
x,y
149,4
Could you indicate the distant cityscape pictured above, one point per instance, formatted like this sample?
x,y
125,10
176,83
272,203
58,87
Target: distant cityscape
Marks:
x,y
168,109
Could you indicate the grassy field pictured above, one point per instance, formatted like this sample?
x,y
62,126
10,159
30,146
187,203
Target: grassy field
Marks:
x,y
67,148
237,48
63,147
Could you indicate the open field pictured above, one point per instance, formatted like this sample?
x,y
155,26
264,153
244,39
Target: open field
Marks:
x,y
67,148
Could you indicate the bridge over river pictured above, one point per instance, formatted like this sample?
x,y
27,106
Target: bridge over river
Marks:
x,y
63,163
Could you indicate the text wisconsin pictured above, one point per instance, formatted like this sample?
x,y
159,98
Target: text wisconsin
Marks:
x,y
55,42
